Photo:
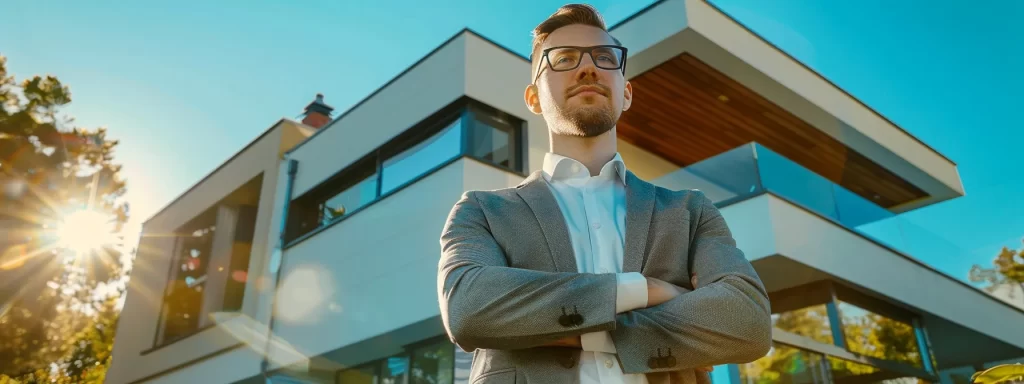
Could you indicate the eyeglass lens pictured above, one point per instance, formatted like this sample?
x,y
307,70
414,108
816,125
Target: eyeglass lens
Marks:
x,y
564,59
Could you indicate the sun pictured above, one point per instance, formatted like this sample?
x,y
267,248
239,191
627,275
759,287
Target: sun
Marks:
x,y
84,231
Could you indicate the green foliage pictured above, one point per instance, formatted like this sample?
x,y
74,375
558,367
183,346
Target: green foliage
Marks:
x,y
866,333
1007,269
60,326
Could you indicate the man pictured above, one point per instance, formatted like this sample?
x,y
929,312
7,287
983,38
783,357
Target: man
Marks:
x,y
584,273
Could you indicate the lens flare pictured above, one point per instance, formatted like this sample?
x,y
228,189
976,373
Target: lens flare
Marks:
x,y
84,231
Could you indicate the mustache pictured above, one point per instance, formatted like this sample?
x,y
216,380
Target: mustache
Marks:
x,y
584,86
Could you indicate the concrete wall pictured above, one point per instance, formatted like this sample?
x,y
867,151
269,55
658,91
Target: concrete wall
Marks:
x,y
228,367
499,78
375,271
418,93
825,246
139,320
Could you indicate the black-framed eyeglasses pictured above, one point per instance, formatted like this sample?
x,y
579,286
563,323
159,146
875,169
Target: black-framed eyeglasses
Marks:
x,y
567,58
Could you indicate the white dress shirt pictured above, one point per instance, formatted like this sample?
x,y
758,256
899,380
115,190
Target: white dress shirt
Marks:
x,y
595,214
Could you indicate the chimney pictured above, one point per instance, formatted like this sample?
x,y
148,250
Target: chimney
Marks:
x,y
317,113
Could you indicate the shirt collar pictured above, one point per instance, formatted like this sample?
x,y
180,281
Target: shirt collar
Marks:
x,y
558,167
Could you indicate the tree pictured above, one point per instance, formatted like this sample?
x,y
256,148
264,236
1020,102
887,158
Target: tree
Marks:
x,y
1007,270
50,168
866,333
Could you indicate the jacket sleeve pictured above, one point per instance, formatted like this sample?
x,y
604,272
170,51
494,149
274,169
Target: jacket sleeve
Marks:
x,y
487,304
725,320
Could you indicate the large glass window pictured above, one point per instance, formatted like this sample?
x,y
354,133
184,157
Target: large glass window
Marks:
x,y
422,157
184,300
222,235
433,363
811,322
803,311
494,139
362,191
366,374
465,128
785,364
827,321
870,334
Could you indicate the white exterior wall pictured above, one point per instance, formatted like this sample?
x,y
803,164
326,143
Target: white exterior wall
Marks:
x,y
426,88
229,367
139,320
375,271
499,78
825,246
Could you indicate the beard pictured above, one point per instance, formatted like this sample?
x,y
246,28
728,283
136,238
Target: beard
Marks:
x,y
586,120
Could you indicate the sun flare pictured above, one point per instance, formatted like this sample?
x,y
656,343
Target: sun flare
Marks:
x,y
85,230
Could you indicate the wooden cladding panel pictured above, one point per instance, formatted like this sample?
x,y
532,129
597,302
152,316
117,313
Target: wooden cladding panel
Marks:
x,y
686,111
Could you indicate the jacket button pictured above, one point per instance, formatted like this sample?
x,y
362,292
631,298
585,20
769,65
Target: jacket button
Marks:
x,y
568,361
576,319
654,363
565,321
669,361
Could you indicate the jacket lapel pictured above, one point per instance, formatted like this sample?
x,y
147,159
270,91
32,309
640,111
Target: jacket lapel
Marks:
x,y
537,195
639,208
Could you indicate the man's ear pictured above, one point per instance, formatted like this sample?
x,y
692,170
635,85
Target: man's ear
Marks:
x,y
532,99
627,96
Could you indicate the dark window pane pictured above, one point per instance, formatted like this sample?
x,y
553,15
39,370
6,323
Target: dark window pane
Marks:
x,y
785,364
843,369
493,140
811,322
871,334
238,269
356,196
422,157
361,375
394,369
433,364
184,300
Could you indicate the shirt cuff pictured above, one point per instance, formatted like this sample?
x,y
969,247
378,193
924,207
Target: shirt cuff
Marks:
x,y
631,292
597,342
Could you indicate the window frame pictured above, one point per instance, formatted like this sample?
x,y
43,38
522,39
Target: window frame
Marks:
x,y
173,274
408,352
464,109
831,293
184,231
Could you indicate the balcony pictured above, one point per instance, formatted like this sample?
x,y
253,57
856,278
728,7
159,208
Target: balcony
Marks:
x,y
753,169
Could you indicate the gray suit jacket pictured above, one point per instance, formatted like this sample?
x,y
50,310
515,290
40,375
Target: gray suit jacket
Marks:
x,y
508,284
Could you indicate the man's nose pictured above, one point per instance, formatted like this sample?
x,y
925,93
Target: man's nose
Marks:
x,y
587,68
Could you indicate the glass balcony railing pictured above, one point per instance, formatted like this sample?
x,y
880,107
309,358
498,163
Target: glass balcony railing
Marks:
x,y
751,169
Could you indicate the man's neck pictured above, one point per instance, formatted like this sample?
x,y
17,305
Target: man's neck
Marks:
x,y
593,152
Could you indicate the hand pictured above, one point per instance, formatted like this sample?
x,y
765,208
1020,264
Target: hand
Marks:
x,y
659,291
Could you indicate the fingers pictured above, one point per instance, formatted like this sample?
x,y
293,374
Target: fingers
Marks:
x,y
693,280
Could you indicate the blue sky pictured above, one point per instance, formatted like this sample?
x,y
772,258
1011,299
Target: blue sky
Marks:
x,y
185,84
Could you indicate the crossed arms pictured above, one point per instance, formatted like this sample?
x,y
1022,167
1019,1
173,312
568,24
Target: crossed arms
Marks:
x,y
487,304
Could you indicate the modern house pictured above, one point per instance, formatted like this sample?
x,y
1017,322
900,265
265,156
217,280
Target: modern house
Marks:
x,y
336,227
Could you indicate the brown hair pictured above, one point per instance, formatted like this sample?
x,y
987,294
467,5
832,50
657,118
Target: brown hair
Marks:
x,y
568,14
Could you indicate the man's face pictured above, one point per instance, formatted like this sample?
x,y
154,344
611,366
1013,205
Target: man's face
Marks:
x,y
583,102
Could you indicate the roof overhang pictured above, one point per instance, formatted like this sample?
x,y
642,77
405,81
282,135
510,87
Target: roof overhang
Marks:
x,y
791,246
229,175
866,151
